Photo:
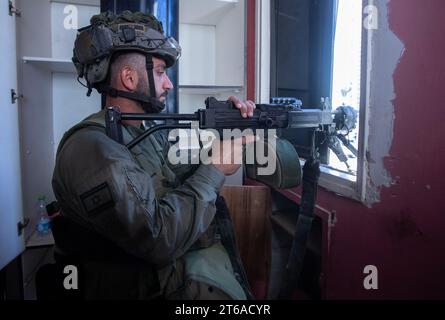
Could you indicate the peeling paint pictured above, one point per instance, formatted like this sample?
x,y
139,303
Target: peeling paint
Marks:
x,y
387,50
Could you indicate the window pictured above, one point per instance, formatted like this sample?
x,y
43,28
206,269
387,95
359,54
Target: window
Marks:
x,y
346,88
318,50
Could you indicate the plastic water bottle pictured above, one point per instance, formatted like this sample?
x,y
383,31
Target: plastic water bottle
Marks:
x,y
43,222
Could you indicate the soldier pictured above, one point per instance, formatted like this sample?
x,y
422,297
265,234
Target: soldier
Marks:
x,y
138,226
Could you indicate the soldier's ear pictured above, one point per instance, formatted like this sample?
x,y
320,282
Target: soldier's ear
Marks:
x,y
129,78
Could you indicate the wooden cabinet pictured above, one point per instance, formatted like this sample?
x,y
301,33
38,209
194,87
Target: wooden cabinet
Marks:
x,y
285,210
52,102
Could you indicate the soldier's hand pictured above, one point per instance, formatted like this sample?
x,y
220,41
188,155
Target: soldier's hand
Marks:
x,y
246,107
227,156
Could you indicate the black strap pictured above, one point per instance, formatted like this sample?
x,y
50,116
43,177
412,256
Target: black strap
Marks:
x,y
150,103
311,174
228,240
151,80
156,106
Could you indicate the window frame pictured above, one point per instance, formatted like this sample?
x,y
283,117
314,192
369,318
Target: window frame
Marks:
x,y
330,179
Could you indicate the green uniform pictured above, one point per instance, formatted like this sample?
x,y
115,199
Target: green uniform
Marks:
x,y
160,213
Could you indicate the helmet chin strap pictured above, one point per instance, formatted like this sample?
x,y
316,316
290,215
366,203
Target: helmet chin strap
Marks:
x,y
155,106
150,103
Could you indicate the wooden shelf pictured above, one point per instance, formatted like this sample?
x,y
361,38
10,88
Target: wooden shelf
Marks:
x,y
51,64
293,194
287,221
200,89
204,12
37,240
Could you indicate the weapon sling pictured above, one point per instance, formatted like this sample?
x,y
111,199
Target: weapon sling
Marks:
x,y
311,173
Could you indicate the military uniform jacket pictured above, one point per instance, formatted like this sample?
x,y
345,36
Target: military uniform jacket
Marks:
x,y
138,200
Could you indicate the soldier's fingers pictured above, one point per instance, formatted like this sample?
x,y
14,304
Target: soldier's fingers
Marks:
x,y
248,139
240,105
235,101
250,107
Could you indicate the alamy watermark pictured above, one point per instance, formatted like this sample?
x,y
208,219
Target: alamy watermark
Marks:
x,y
71,281
71,20
261,152
371,20
371,281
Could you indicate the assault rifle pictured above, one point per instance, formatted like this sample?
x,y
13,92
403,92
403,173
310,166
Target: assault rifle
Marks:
x,y
282,113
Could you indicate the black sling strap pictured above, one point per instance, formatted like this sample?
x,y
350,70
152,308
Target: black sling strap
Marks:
x,y
311,173
228,240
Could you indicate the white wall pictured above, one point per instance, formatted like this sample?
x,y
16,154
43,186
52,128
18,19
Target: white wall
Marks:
x,y
230,47
197,62
212,36
190,102
34,39
64,26
68,111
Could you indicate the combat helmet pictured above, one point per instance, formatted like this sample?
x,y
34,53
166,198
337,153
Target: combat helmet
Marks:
x,y
109,34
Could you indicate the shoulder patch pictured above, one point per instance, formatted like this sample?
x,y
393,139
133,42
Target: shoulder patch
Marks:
x,y
97,199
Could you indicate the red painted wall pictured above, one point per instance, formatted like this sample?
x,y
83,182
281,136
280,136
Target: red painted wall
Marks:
x,y
250,60
404,234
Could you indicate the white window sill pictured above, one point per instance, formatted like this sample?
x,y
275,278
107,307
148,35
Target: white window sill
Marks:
x,y
341,183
